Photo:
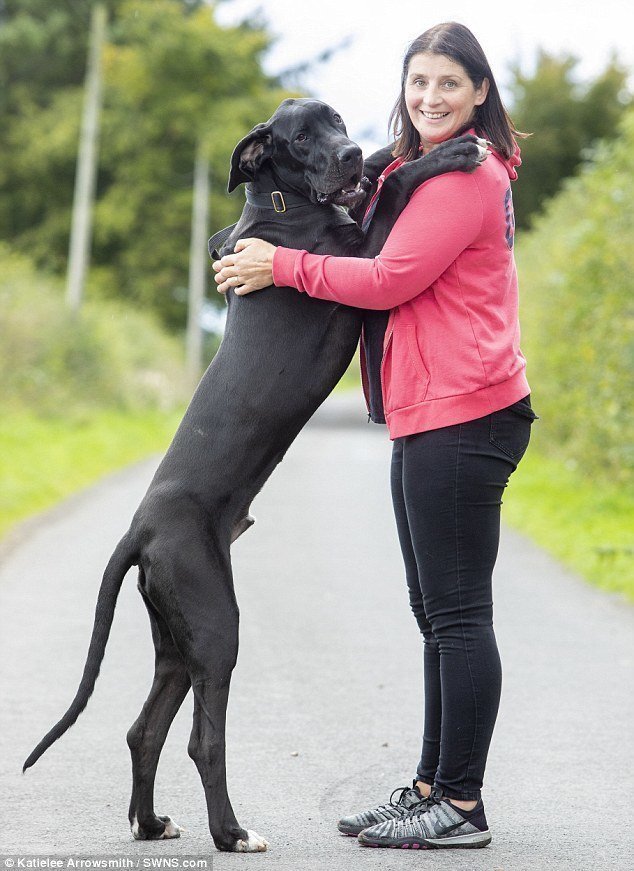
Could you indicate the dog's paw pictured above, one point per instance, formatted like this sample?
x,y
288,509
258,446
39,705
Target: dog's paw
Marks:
x,y
483,149
255,844
172,830
466,153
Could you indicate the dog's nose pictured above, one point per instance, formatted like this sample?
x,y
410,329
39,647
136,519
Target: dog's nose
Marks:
x,y
349,154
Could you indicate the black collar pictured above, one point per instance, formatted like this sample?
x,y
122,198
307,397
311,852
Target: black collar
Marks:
x,y
278,201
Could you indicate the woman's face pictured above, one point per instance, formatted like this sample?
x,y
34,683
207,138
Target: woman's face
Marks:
x,y
440,97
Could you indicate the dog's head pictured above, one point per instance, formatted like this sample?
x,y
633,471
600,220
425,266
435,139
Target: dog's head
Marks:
x,y
303,147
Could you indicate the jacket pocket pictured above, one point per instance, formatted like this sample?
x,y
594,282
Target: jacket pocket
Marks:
x,y
417,362
404,375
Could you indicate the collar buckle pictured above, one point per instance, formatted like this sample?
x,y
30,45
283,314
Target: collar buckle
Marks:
x,y
277,199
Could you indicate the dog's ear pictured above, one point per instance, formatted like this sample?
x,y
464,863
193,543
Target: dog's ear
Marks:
x,y
249,154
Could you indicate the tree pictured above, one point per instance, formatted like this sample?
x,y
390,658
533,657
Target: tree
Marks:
x,y
565,119
173,78
42,48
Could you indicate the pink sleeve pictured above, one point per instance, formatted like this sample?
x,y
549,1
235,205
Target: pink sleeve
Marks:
x,y
443,217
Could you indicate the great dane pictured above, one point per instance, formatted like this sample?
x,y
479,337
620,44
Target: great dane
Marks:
x,y
281,355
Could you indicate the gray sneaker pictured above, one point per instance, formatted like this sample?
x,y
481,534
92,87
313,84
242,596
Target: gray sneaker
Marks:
x,y
436,823
408,798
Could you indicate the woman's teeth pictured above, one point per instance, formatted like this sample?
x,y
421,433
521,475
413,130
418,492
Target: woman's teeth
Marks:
x,y
434,115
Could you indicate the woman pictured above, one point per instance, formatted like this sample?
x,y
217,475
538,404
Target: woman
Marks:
x,y
457,406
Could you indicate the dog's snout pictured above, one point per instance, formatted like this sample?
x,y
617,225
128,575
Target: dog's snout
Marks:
x,y
349,154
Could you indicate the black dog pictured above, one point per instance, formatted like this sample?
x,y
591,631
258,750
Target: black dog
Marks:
x,y
281,356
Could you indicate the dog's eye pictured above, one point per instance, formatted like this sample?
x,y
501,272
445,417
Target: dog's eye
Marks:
x,y
301,137
338,119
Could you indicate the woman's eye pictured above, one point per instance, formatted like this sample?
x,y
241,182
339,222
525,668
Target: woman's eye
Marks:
x,y
450,85
301,137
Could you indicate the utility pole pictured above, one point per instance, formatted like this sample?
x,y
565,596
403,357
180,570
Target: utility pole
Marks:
x,y
86,172
197,263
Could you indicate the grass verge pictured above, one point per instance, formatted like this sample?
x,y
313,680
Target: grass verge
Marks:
x,y
43,460
585,525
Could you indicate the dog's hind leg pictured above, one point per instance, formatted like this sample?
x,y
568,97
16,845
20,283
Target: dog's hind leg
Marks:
x,y
147,735
210,683
189,581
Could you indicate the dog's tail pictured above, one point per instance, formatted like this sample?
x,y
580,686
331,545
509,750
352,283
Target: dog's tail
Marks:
x,y
120,561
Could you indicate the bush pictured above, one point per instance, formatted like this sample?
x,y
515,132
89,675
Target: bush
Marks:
x,y
577,281
107,356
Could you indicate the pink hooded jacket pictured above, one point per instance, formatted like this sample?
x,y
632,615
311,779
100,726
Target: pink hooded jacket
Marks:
x,y
447,272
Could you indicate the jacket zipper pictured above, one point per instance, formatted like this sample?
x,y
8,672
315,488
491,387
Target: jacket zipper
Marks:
x,y
388,334
386,345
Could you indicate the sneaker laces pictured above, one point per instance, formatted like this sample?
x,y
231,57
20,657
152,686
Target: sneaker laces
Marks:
x,y
423,806
401,793
395,804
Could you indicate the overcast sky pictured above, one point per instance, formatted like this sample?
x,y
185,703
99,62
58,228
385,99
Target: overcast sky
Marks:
x,y
362,81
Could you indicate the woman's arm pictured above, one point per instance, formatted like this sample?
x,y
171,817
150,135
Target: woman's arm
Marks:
x,y
443,217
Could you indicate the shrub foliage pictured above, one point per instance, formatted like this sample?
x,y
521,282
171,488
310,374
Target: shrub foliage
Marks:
x,y
57,363
577,280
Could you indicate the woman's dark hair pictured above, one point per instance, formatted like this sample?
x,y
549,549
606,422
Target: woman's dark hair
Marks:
x,y
491,120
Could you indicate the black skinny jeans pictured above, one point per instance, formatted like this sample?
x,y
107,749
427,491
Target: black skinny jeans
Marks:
x,y
447,487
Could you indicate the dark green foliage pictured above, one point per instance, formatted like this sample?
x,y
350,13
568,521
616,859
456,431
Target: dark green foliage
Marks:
x,y
565,118
42,47
577,285
173,77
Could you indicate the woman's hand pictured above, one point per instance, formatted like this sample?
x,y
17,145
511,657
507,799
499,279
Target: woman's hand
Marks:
x,y
249,268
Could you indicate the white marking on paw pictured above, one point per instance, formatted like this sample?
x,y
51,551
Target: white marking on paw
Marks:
x,y
172,829
255,844
483,152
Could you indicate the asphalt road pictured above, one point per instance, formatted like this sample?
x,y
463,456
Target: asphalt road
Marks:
x,y
326,702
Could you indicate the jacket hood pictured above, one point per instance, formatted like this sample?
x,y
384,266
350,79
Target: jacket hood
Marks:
x,y
511,163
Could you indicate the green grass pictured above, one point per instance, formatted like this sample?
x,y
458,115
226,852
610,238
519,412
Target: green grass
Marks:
x,y
43,460
585,525
588,526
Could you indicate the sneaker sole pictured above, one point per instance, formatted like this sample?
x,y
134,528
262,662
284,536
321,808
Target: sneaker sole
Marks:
x,y
351,831
475,841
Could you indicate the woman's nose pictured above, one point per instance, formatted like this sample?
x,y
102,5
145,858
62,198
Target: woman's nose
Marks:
x,y
432,96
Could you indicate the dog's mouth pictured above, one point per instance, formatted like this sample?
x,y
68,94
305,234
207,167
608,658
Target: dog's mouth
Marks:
x,y
349,195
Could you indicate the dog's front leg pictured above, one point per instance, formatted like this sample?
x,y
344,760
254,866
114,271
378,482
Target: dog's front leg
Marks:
x,y
373,166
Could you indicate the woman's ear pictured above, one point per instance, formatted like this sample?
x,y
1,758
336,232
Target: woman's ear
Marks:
x,y
482,92
249,155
